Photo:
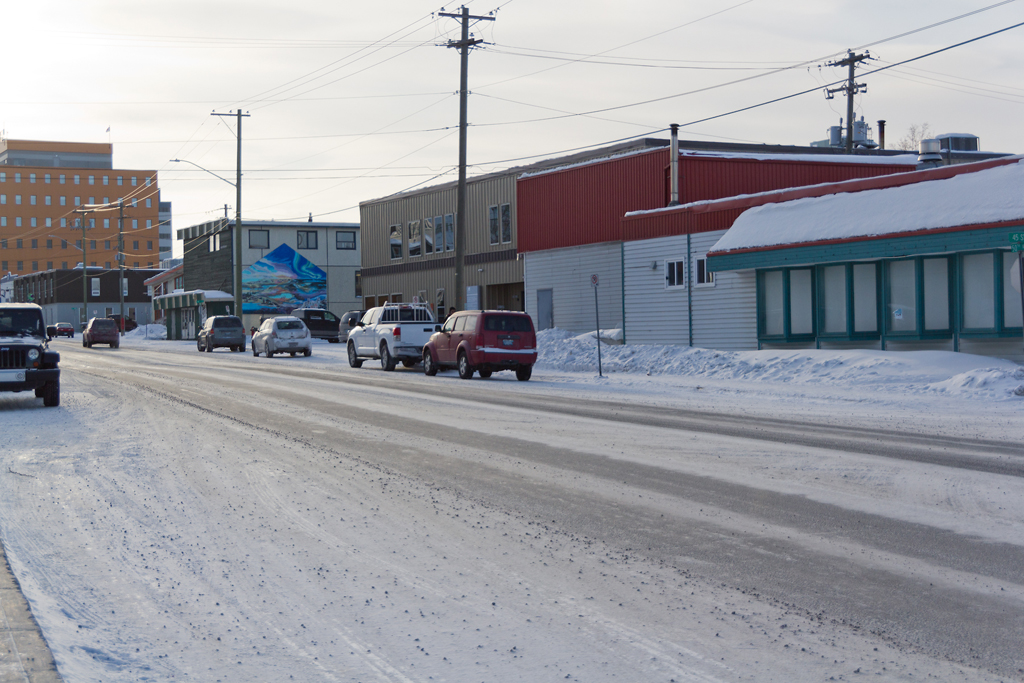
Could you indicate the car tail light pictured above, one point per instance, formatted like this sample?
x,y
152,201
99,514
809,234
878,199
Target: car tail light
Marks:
x,y
397,332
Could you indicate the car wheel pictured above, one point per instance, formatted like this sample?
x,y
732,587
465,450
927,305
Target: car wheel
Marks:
x,y
523,372
354,360
485,373
89,345
408,363
115,345
386,361
293,354
209,347
255,353
84,345
465,369
307,353
199,345
51,393
429,367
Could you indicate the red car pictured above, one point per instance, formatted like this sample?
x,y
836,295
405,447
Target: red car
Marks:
x,y
101,331
484,342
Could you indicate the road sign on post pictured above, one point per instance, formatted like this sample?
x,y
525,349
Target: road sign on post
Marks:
x,y
597,320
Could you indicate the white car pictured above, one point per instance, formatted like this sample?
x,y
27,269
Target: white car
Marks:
x,y
284,334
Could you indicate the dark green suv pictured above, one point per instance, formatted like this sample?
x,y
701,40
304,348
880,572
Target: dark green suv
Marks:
x,y
26,361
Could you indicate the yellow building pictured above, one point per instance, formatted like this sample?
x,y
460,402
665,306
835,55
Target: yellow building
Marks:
x,y
42,184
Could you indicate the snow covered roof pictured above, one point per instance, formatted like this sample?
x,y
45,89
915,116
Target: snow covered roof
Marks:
x,y
990,194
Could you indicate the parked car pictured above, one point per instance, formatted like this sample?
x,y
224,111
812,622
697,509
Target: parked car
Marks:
x,y
128,325
26,362
392,332
221,330
349,320
60,330
322,324
101,331
484,342
284,334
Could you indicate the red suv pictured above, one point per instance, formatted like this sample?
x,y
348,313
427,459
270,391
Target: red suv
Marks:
x,y
101,331
484,342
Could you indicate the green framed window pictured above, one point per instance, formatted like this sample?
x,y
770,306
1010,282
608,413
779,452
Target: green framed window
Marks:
x,y
989,292
786,304
918,297
847,295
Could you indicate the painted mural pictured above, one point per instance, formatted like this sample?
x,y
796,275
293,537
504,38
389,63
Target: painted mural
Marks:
x,y
282,281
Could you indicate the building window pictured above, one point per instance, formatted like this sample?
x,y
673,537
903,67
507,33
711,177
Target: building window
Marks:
x,y
78,179
92,244
92,180
135,224
506,223
49,266
786,304
135,245
135,181
149,202
396,241
702,277
31,177
32,200
64,265
3,243
32,221
359,283
120,180
306,239
211,243
3,221
414,239
988,298
35,266
106,245
17,199
106,180
95,281
149,245
439,233
63,222
345,239
149,223
3,176
63,244
3,266
35,244
63,179
135,203
3,199
106,222
449,232
49,244
46,178
428,236
17,179
675,274
259,239
21,266
17,221
106,264
494,224
48,200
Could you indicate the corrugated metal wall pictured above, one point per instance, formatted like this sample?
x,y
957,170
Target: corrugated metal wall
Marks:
x,y
567,273
585,204
724,314
486,264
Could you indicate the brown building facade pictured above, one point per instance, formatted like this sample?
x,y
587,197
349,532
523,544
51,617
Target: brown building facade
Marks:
x,y
42,184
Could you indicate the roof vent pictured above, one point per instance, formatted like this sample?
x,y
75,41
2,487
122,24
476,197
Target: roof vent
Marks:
x,y
930,154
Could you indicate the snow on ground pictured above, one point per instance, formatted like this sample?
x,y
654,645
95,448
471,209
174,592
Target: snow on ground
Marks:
x,y
202,556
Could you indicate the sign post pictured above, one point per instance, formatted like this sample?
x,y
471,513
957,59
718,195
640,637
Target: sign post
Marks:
x,y
1017,245
597,319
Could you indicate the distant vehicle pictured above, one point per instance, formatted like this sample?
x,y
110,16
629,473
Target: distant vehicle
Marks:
x,y
484,342
128,325
101,331
65,330
284,334
392,332
26,362
322,324
349,320
221,330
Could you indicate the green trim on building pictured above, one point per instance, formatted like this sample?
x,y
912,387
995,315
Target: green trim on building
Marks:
x,y
899,247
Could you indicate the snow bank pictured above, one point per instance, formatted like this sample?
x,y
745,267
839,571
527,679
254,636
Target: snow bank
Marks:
x,y
917,372
143,332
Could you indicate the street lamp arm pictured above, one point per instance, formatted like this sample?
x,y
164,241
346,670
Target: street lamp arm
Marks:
x,y
186,161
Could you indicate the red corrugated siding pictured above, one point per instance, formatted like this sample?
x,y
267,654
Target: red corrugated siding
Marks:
x,y
586,204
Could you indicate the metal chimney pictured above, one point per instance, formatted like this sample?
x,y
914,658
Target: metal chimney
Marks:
x,y
930,155
673,193
881,133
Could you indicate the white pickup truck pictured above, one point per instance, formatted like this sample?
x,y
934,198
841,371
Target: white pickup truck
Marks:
x,y
393,333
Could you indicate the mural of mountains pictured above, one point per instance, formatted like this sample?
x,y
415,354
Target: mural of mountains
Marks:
x,y
282,281
286,264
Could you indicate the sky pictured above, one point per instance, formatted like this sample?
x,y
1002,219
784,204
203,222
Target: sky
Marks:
x,y
349,102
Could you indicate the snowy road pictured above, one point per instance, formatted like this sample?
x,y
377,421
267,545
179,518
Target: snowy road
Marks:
x,y
223,517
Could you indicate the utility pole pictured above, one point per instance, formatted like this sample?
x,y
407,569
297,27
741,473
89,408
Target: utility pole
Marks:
x,y
460,208
851,88
83,221
120,258
236,265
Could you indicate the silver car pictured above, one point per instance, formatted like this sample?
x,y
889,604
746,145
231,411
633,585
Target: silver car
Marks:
x,y
284,334
221,330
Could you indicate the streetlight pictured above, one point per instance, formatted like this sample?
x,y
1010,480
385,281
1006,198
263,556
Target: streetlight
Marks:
x,y
236,242
85,211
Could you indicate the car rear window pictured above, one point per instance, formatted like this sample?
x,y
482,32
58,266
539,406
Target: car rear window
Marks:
x,y
507,323
104,324
289,325
227,322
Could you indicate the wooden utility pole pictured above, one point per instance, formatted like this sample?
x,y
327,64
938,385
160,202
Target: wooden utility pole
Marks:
x,y
237,237
851,88
460,208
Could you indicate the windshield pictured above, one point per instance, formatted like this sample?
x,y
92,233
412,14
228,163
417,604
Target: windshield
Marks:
x,y
103,324
227,322
289,325
507,323
21,322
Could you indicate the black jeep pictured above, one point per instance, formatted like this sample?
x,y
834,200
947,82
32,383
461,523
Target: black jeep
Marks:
x,y
26,362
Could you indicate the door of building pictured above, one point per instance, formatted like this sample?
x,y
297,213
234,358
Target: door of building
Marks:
x,y
545,309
